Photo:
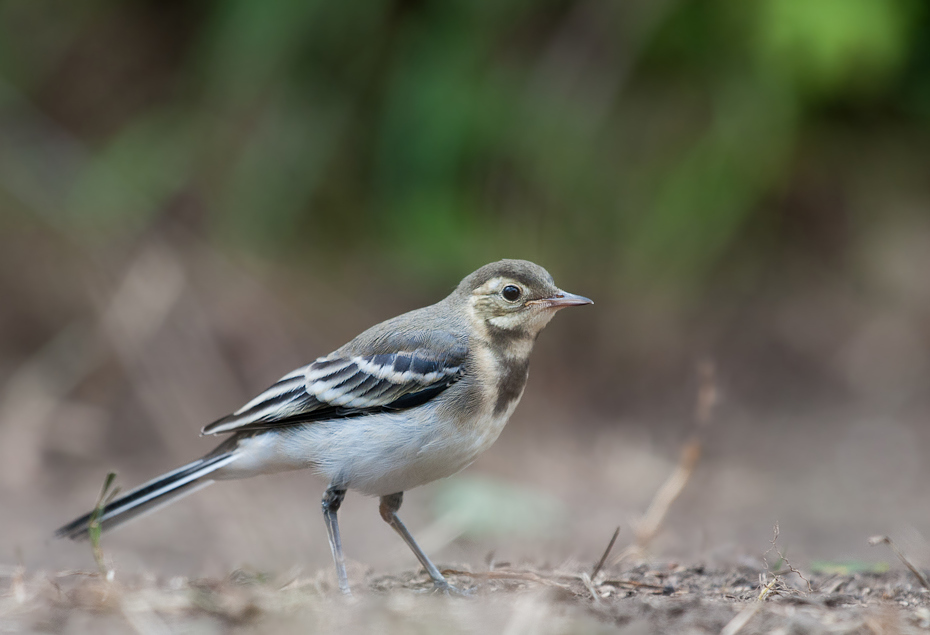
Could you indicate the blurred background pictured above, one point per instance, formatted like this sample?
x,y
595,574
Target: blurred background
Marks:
x,y
198,196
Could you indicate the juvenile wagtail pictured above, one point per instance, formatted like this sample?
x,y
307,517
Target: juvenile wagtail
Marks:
x,y
411,400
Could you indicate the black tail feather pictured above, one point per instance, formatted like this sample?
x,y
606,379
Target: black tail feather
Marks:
x,y
148,496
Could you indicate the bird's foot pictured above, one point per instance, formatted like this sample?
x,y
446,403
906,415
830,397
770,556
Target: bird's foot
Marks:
x,y
442,587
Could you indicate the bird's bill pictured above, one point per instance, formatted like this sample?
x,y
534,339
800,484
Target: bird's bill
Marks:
x,y
560,300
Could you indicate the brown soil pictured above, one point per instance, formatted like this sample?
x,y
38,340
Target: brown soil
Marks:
x,y
671,599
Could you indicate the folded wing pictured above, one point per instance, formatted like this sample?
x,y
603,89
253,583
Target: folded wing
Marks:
x,y
400,372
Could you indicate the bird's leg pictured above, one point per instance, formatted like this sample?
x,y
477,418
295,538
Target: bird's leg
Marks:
x,y
388,508
332,499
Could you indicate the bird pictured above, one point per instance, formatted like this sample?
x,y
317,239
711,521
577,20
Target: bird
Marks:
x,y
411,400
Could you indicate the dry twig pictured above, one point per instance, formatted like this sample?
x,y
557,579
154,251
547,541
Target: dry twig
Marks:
x,y
636,585
600,563
502,574
742,618
649,525
784,559
878,540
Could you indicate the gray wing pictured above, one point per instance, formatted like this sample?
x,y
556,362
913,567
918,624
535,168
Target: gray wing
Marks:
x,y
399,371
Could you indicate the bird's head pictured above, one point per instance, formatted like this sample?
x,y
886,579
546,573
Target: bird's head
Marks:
x,y
514,298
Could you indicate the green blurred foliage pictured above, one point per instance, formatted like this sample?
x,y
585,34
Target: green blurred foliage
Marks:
x,y
832,46
477,507
638,138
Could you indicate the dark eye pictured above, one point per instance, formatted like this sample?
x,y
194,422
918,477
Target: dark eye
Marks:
x,y
511,293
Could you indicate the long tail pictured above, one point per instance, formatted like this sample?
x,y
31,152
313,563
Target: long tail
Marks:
x,y
148,497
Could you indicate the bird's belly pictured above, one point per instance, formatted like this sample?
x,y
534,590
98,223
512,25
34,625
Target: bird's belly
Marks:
x,y
376,454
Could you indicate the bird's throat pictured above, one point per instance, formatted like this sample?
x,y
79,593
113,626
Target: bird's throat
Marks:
x,y
512,374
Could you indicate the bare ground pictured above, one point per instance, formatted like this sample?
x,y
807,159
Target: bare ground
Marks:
x,y
164,582
642,599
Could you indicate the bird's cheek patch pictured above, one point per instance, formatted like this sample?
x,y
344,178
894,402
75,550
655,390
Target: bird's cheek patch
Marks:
x,y
507,322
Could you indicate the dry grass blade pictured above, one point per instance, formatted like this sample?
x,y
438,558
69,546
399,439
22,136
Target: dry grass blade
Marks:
x,y
652,520
107,494
589,585
742,618
649,525
502,574
633,584
610,545
878,540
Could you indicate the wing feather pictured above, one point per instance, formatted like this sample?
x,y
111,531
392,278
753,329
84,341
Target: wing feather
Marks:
x,y
351,384
284,386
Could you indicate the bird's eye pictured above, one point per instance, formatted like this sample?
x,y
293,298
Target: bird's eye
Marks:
x,y
511,293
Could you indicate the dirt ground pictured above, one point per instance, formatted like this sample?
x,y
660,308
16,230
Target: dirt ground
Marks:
x,y
251,556
642,599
